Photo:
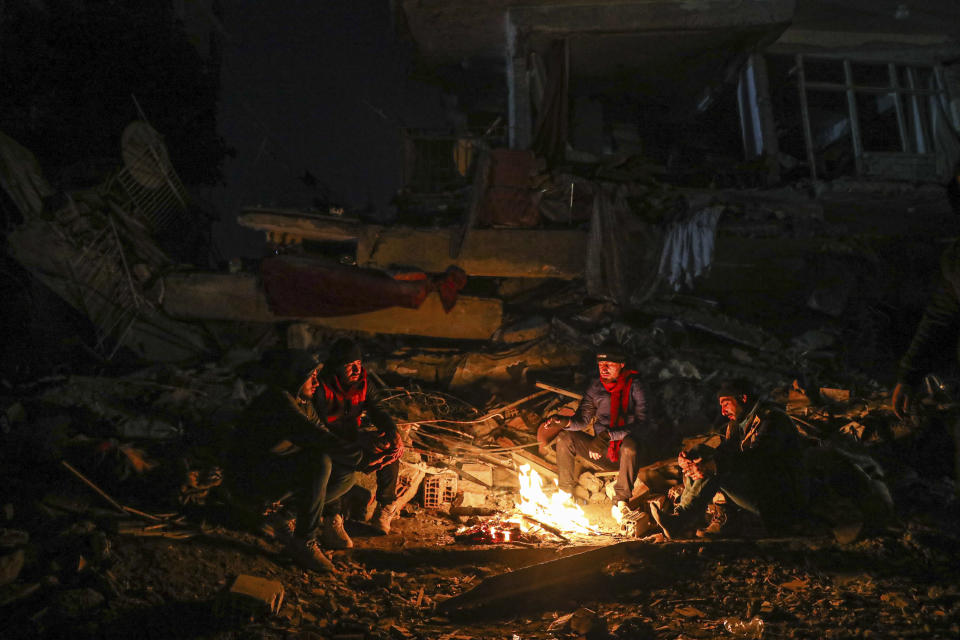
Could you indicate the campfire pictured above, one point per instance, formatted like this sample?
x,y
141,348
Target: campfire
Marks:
x,y
536,512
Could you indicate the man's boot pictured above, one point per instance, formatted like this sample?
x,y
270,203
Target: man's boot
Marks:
x,y
382,518
308,555
719,524
672,524
334,535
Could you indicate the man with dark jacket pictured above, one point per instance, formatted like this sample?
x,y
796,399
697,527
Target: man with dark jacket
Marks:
x,y
345,431
756,465
936,337
615,406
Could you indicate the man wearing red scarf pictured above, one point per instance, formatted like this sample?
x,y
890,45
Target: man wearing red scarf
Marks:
x,y
346,431
615,406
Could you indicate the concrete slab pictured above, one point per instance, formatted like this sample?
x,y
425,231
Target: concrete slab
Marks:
x,y
239,297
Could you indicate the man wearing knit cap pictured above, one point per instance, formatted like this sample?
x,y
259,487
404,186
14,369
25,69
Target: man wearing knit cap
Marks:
x,y
756,466
615,405
347,431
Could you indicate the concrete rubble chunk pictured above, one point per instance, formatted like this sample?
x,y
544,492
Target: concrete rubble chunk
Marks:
x,y
78,603
13,538
250,596
10,566
527,329
590,482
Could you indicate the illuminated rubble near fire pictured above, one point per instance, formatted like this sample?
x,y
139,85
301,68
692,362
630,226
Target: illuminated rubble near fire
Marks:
x,y
499,319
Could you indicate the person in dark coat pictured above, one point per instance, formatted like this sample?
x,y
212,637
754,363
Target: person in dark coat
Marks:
x,y
756,465
345,430
935,339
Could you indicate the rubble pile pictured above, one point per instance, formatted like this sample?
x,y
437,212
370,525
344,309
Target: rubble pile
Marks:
x,y
128,502
136,516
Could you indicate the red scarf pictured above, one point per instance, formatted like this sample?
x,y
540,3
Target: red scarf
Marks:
x,y
619,391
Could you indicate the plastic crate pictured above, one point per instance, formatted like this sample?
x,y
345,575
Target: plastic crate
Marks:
x,y
439,489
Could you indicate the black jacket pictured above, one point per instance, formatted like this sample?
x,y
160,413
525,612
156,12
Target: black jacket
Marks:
x,y
764,438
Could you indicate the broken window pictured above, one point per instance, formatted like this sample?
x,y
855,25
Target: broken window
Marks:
x,y
842,117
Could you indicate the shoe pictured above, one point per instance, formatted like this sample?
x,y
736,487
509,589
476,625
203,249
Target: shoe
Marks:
x,y
334,536
382,518
718,525
669,523
279,527
308,555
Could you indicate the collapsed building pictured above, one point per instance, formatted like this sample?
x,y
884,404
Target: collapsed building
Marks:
x,y
723,190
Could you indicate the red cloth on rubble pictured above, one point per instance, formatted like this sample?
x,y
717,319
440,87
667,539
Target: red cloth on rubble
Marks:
x,y
508,198
619,391
301,287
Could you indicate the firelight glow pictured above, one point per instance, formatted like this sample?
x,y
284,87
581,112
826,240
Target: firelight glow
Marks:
x,y
557,510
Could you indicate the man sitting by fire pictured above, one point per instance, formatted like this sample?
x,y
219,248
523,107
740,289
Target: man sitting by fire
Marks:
x,y
346,431
756,466
615,406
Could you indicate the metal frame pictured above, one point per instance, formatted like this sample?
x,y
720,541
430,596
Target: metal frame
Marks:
x,y
908,139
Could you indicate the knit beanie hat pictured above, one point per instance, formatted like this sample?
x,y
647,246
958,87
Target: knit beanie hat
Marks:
x,y
611,353
342,351
734,388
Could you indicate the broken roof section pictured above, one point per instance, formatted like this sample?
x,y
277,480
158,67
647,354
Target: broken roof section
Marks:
x,y
822,90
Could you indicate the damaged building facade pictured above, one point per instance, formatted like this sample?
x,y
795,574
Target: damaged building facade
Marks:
x,y
709,194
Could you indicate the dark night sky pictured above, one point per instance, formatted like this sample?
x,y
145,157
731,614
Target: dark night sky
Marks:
x,y
296,78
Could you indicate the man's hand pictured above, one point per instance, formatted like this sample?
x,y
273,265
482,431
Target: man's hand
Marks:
x,y
594,455
556,421
386,449
902,399
691,467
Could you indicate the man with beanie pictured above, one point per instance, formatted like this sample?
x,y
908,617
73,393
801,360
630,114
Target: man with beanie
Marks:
x,y
615,406
346,431
756,466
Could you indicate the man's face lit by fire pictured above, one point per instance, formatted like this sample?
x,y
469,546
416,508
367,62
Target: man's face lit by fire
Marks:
x,y
350,372
732,406
609,370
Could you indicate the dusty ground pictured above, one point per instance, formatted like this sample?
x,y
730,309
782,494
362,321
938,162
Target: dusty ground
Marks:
x,y
896,583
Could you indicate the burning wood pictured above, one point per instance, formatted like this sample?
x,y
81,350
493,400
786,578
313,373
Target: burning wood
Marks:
x,y
535,512
495,532
557,510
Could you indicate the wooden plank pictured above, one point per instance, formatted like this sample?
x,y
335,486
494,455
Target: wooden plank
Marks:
x,y
523,456
205,296
560,390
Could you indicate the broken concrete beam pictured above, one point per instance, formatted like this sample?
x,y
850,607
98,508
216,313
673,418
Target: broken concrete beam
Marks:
x,y
517,253
470,319
516,363
504,253
286,224
239,297
215,296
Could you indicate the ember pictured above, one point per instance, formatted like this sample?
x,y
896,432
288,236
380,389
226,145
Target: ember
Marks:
x,y
494,533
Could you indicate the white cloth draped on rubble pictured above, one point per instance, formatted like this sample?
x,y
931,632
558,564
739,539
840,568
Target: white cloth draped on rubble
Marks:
x,y
688,247
628,257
